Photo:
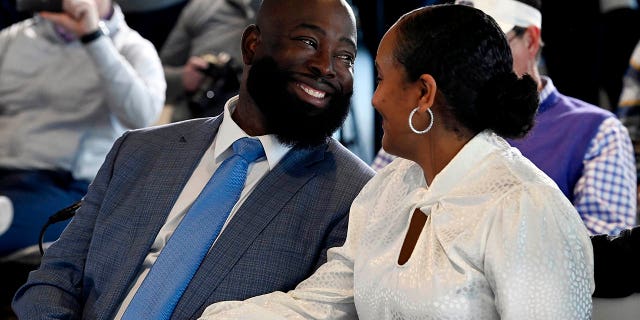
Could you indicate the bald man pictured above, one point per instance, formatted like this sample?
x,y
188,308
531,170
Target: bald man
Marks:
x,y
294,94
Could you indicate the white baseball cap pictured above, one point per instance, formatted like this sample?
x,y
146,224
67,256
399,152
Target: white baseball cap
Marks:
x,y
508,13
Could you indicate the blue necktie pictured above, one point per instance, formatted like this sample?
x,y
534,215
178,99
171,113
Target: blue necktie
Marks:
x,y
177,263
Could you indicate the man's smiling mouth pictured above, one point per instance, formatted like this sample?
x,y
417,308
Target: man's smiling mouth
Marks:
x,y
312,92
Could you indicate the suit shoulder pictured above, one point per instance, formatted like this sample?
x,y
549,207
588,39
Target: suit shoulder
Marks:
x,y
170,130
195,133
347,163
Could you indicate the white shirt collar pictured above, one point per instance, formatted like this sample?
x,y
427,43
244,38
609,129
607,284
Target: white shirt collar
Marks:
x,y
465,163
547,88
229,132
481,145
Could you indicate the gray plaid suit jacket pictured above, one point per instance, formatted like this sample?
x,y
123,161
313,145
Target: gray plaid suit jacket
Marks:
x,y
276,239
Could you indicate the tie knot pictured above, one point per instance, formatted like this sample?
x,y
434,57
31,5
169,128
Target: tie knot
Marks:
x,y
249,149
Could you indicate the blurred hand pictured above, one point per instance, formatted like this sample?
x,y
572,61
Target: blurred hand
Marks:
x,y
192,76
79,17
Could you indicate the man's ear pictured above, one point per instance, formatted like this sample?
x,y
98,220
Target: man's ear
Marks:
x,y
533,40
428,89
250,40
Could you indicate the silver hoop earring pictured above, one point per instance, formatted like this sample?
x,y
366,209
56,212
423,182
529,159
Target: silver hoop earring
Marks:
x,y
411,122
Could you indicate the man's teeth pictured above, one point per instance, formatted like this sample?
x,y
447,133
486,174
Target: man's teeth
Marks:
x,y
312,92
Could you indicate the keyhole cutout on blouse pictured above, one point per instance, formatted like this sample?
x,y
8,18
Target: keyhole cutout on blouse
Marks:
x,y
418,220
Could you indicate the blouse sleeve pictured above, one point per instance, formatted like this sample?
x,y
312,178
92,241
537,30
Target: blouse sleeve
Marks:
x,y
538,257
327,294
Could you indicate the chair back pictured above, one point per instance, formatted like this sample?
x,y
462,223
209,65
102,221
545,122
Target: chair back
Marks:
x,y
627,308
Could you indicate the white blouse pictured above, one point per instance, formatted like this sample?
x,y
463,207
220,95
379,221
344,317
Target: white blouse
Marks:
x,y
500,242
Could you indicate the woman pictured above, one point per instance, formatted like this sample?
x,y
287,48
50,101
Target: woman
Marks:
x,y
462,226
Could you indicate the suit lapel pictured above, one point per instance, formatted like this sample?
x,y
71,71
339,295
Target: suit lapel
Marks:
x,y
265,202
177,161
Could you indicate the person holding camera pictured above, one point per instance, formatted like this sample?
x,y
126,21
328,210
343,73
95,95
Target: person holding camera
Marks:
x,y
201,57
71,83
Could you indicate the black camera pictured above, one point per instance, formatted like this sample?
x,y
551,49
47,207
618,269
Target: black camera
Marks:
x,y
222,81
39,5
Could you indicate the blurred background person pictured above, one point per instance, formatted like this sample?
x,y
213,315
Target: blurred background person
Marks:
x,y
202,49
583,148
72,82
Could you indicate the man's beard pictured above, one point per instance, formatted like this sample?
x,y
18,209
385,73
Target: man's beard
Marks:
x,y
294,122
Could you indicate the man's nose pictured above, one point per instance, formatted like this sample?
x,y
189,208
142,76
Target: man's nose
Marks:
x,y
321,64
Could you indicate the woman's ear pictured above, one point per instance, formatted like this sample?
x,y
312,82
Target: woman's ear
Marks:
x,y
250,40
428,89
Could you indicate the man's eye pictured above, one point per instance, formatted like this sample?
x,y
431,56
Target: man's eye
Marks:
x,y
348,60
309,42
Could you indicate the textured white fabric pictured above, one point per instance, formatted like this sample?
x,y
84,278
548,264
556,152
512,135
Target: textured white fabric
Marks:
x,y
500,242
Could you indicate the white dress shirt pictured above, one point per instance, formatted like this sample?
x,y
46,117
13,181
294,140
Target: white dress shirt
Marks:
x,y
500,242
220,150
